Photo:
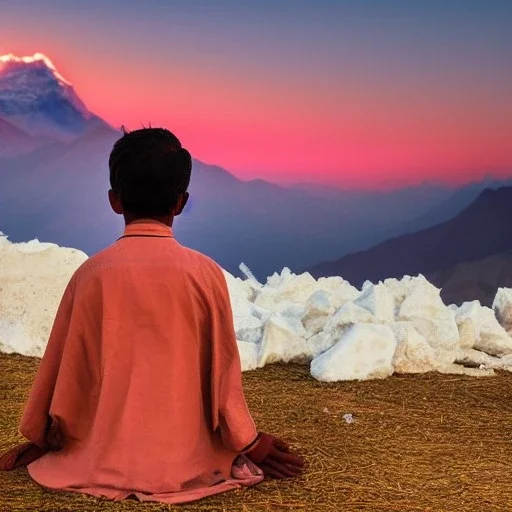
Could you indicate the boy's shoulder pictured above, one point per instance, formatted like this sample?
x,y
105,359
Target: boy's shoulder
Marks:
x,y
206,263
197,261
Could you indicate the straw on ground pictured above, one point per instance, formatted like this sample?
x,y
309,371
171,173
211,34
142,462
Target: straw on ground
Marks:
x,y
418,443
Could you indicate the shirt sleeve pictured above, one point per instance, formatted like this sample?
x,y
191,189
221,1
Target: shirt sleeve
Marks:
x,y
230,413
35,420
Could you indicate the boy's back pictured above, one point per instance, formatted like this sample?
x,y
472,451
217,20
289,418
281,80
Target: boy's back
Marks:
x,y
149,370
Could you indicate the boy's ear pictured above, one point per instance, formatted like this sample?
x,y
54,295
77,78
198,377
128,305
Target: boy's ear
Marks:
x,y
182,201
115,202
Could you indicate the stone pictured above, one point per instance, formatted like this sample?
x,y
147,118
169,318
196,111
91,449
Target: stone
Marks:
x,y
283,341
33,277
248,355
377,299
364,352
413,353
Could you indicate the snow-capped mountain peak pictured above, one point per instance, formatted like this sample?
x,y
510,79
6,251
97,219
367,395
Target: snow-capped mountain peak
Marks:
x,y
36,98
37,60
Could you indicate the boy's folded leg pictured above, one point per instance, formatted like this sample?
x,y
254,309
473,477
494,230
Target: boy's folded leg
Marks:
x,y
20,456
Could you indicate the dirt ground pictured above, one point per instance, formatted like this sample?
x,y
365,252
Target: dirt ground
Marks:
x,y
418,443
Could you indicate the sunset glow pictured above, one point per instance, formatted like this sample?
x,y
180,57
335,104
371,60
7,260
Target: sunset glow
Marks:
x,y
356,95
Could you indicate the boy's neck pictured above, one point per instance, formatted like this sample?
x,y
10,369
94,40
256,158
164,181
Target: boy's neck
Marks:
x,y
167,219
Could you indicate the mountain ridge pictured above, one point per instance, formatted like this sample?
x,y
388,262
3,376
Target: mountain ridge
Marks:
x,y
478,231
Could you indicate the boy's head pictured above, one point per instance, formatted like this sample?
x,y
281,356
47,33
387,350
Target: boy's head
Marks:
x,y
149,175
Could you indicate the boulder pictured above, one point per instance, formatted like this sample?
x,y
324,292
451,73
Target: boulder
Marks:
x,y
422,301
316,312
248,327
340,291
472,358
319,343
424,308
365,351
283,341
377,300
413,353
33,277
345,317
248,355
480,329
502,307
286,287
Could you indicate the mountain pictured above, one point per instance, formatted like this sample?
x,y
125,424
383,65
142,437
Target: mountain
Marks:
x,y
54,187
474,280
58,193
453,204
480,230
14,141
35,98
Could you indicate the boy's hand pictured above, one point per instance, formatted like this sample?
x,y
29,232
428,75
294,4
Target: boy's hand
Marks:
x,y
274,458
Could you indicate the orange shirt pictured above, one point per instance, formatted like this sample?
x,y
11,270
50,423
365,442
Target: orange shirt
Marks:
x,y
142,372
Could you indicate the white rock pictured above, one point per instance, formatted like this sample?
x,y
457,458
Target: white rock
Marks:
x,y
275,280
345,317
441,334
286,288
422,301
248,355
261,313
237,287
33,277
251,284
470,357
479,329
500,363
283,341
502,307
248,328
413,353
457,369
467,318
318,309
290,309
494,340
401,288
292,318
319,343
365,352
340,291
378,301
424,308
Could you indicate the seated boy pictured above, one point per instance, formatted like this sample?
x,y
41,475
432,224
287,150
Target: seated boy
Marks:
x,y
139,391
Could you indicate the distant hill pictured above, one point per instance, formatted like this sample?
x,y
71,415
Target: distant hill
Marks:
x,y
58,193
480,230
54,182
453,204
475,280
14,141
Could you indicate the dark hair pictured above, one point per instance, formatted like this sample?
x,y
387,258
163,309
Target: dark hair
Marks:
x,y
148,171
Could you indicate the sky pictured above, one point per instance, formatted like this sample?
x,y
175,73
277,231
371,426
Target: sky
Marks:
x,y
356,93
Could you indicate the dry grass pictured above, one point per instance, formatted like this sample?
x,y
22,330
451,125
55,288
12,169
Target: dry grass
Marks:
x,y
419,443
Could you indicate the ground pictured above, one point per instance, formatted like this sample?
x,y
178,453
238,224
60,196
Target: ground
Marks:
x,y
419,443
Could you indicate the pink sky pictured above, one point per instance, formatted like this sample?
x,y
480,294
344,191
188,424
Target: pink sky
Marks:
x,y
356,120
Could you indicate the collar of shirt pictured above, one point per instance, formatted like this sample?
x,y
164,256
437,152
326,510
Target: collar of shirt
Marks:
x,y
148,227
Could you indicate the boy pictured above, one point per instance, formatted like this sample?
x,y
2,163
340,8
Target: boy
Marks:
x,y
139,391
